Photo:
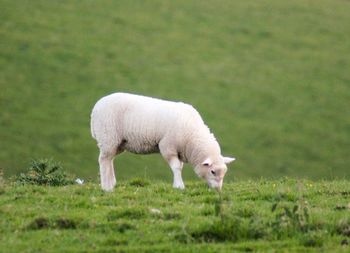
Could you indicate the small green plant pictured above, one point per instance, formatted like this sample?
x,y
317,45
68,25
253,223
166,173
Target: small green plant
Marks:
x,y
45,172
290,219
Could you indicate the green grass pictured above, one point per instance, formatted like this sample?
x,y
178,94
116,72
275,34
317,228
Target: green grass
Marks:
x,y
153,217
271,79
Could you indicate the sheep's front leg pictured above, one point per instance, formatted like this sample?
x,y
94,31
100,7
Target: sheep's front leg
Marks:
x,y
170,155
176,166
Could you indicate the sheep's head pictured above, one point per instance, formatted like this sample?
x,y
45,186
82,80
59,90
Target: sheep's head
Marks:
x,y
214,170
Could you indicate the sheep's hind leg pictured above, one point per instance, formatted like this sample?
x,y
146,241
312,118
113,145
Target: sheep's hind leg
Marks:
x,y
107,175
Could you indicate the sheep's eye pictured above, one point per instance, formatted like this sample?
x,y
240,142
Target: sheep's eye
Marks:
x,y
213,172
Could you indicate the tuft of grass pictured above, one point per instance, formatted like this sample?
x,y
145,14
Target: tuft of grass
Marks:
x,y
45,172
231,226
172,215
116,242
128,213
57,223
65,223
290,219
139,182
124,226
343,227
312,239
39,223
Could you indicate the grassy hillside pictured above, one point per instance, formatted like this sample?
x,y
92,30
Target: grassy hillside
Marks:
x,y
271,79
260,216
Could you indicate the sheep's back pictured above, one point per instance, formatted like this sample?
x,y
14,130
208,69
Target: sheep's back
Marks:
x,y
141,122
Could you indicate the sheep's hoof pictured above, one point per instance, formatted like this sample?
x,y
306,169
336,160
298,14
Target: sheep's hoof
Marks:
x,y
108,188
179,186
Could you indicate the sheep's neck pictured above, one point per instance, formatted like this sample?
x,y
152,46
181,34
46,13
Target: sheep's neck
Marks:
x,y
200,147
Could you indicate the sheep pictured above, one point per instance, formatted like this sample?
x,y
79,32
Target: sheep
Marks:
x,y
144,125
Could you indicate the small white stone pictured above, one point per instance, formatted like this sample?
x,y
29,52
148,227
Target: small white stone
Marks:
x,y
79,181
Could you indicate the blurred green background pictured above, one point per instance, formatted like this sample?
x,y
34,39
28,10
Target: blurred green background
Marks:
x,y
271,78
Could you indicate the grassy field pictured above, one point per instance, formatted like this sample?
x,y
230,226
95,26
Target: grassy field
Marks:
x,y
271,79
283,215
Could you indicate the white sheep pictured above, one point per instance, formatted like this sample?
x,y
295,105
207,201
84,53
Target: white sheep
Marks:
x,y
144,125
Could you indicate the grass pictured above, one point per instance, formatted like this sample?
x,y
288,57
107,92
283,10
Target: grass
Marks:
x,y
283,215
271,79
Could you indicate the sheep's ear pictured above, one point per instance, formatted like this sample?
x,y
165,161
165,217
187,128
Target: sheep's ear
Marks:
x,y
228,160
207,162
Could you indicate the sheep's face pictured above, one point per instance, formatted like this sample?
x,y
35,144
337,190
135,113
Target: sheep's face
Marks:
x,y
214,172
